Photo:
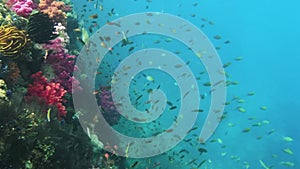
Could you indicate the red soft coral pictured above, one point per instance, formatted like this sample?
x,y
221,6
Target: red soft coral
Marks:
x,y
49,93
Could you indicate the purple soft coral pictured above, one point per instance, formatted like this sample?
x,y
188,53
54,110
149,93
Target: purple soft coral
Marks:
x,y
62,64
108,107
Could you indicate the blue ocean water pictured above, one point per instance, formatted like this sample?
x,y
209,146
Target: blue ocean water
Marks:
x,y
266,35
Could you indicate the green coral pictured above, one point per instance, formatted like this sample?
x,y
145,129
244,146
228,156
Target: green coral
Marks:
x,y
8,17
42,153
28,140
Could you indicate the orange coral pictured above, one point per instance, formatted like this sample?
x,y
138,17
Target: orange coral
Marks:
x,y
13,75
55,10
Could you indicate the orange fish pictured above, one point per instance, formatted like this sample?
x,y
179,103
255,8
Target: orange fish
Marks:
x,y
77,30
103,44
106,155
95,16
169,130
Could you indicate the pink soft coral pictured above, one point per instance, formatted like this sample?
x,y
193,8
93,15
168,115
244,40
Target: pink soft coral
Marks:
x,y
22,7
56,45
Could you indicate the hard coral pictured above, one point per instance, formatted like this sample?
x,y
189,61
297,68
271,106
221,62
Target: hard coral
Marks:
x,y
50,93
55,10
12,41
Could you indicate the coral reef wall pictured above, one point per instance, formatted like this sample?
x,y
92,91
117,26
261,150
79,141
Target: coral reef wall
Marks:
x,y
38,126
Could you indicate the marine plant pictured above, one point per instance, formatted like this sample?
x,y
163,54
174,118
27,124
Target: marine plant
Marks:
x,y
12,41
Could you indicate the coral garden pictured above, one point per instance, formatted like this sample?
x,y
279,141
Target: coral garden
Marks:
x,y
38,125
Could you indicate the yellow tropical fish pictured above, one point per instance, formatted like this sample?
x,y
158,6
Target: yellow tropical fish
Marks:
x,y
84,35
288,139
49,115
150,78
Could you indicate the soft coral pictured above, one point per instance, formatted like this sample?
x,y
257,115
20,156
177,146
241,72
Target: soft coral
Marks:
x,y
50,93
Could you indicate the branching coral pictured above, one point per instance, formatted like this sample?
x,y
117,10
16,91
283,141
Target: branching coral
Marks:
x,y
12,41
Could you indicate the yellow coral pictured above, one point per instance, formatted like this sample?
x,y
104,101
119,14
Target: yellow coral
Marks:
x,y
12,41
2,90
